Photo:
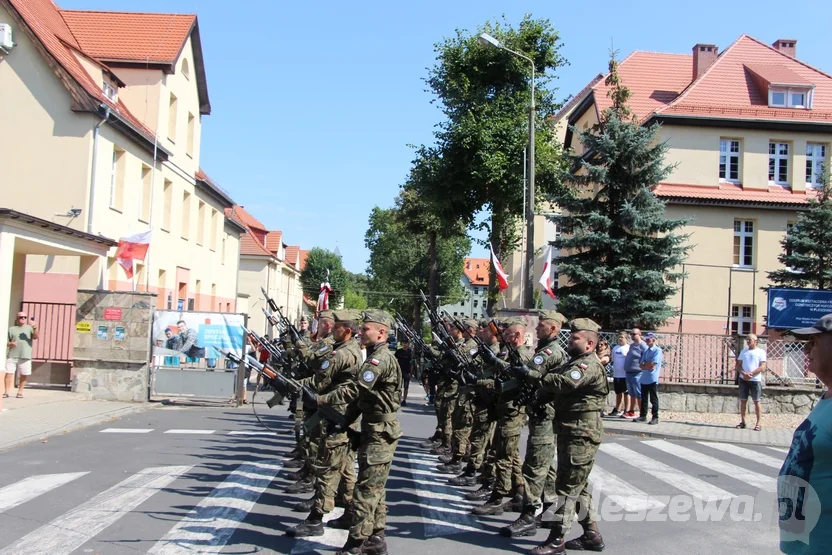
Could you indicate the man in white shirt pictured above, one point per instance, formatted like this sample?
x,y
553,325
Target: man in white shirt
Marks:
x,y
751,362
619,378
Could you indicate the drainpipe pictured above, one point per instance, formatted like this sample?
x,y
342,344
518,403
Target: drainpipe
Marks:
x,y
94,164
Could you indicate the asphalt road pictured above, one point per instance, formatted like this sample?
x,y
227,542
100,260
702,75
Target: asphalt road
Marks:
x,y
178,480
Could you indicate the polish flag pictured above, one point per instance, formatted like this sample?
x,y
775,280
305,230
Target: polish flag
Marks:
x,y
132,248
323,297
546,278
502,277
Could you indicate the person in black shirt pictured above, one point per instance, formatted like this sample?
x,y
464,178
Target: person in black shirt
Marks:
x,y
405,357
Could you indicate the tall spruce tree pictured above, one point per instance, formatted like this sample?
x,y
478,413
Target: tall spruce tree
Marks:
x,y
807,247
622,254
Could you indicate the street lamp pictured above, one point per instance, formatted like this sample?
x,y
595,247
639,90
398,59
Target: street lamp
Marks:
x,y
528,301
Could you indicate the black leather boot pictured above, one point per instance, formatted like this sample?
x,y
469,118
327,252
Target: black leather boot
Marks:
x,y
312,526
375,545
343,522
494,506
478,495
304,506
590,540
515,504
468,478
553,544
351,547
526,525
301,486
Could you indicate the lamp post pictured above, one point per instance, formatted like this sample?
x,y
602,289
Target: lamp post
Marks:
x,y
528,292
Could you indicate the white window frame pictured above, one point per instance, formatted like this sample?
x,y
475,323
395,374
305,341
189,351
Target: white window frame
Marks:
x,y
746,236
788,93
113,179
815,163
110,91
742,319
726,154
780,161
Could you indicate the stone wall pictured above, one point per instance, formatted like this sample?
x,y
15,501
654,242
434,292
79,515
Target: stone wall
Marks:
x,y
681,397
112,345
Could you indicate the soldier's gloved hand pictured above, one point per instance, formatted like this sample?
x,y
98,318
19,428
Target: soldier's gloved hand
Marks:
x,y
309,396
470,377
487,355
521,371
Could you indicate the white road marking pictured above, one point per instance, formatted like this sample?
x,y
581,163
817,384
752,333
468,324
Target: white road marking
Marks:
x,y
629,497
33,486
197,432
750,455
779,450
693,486
438,518
127,430
332,538
73,529
209,525
246,433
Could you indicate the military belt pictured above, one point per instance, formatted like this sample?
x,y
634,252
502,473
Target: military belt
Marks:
x,y
379,418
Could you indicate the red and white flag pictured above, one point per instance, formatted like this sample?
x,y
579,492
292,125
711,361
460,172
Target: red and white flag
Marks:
x,y
502,277
546,278
323,297
132,248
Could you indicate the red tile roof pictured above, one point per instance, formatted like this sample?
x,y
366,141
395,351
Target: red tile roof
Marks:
x,y
774,74
133,36
731,193
249,220
273,241
250,246
304,254
476,270
292,255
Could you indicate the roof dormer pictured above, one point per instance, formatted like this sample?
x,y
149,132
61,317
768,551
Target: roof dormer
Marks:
x,y
782,87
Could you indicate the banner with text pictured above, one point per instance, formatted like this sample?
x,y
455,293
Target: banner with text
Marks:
x,y
797,308
191,336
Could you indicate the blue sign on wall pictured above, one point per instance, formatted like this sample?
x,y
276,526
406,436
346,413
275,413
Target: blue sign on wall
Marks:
x,y
797,308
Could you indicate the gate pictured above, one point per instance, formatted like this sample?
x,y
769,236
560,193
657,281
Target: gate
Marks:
x,y
52,351
186,359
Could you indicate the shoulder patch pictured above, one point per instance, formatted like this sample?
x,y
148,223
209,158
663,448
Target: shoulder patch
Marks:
x,y
368,376
547,351
538,359
473,351
374,362
325,365
323,349
575,374
583,366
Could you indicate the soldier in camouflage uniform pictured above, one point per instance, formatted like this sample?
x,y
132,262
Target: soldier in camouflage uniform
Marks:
x,y
375,397
335,462
447,391
511,419
539,467
580,392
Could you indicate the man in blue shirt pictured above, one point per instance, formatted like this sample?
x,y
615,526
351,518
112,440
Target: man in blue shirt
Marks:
x,y
651,366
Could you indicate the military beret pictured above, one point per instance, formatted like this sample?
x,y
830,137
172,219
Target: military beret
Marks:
x,y
303,318
346,315
379,317
514,321
583,324
483,322
328,314
470,323
553,315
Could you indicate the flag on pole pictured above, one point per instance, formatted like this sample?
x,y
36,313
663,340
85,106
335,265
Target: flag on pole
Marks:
x,y
502,277
132,248
546,278
323,296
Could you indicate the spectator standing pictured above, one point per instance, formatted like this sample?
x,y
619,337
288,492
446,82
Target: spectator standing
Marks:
x,y
651,366
405,357
632,364
619,376
19,358
804,485
751,363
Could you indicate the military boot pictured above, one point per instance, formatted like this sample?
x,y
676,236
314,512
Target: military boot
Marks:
x,y
351,547
312,526
446,458
431,441
293,453
453,467
478,495
467,478
526,525
304,485
553,544
515,504
590,540
304,506
375,545
294,463
494,506
441,450
343,522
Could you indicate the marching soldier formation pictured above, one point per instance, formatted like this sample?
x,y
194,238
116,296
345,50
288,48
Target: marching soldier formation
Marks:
x,y
490,387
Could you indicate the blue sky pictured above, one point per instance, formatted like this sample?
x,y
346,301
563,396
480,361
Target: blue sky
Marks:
x,y
314,103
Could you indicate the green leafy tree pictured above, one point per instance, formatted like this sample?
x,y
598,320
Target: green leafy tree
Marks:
x,y
622,254
807,247
355,295
317,263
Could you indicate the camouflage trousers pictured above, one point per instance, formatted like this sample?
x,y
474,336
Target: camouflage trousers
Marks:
x,y
375,455
446,413
576,457
309,442
335,471
463,420
509,466
482,431
539,466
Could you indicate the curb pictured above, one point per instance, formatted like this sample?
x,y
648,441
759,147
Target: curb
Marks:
x,y
79,424
663,435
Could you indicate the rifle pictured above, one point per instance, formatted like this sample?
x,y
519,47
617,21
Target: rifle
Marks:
x,y
419,345
448,346
504,380
283,321
275,350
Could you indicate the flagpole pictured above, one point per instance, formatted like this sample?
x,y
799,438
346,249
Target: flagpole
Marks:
x,y
523,233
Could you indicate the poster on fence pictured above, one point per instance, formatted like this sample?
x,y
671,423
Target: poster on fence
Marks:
x,y
797,308
193,336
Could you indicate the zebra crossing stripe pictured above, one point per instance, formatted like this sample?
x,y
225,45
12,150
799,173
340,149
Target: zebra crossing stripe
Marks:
x,y
760,481
748,454
331,539
779,450
127,431
247,433
33,486
623,494
694,486
195,432
73,529
209,525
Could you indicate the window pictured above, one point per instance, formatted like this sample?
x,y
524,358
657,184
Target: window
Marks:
x,y
742,319
186,69
222,254
729,160
462,302
778,163
186,214
144,199
743,243
455,313
110,91
200,223
168,204
815,162
476,290
214,220
197,292
117,179
160,289
190,147
790,97
172,118
476,303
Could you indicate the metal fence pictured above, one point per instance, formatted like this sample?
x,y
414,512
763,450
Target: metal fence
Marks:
x,y
56,329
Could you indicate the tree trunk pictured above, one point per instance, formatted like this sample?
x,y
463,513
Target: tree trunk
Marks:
x,y
433,276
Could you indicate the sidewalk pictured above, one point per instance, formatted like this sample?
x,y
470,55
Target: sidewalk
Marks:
x,y
43,413
701,431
